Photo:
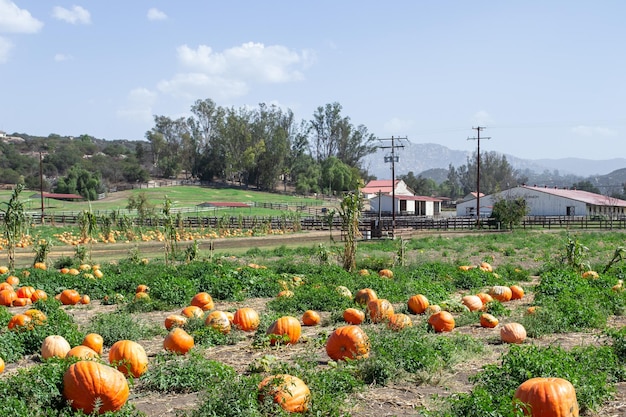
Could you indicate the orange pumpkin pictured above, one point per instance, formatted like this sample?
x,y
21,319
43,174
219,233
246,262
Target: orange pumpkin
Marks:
x,y
142,296
85,299
82,352
486,266
472,302
54,346
311,318
69,297
192,311
219,321
129,357
547,397
142,288
90,383
7,297
399,321
286,327
93,341
380,310
517,292
25,292
364,296
385,273
353,316
348,342
418,303
532,309
513,333
501,293
484,297
20,322
13,280
6,286
1,365
290,392
442,321
21,302
178,341
175,320
203,300
38,295
4,269
246,319
40,265
488,320
285,293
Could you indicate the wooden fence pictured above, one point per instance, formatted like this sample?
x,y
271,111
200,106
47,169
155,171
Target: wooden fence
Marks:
x,y
370,227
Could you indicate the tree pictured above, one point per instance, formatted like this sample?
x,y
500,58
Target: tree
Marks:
x,y
337,176
509,211
419,185
334,135
496,174
80,181
586,185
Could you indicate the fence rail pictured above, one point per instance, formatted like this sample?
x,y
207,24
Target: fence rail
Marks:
x,y
371,227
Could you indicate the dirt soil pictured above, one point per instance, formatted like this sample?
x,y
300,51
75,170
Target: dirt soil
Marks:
x,y
399,399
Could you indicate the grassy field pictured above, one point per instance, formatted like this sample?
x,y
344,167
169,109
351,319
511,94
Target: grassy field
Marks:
x,y
182,197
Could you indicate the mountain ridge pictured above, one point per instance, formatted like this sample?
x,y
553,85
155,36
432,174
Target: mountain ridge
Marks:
x,y
427,156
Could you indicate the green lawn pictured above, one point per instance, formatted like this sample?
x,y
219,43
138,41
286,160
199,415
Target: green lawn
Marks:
x,y
187,197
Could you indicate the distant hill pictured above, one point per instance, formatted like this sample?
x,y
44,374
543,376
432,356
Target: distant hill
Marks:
x,y
421,157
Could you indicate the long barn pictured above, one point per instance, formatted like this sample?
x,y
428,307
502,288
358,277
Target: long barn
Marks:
x,y
547,201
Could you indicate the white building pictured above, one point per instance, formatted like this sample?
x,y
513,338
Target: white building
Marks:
x,y
412,205
545,201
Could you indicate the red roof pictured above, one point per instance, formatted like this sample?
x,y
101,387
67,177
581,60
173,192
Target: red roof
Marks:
x,y
62,196
374,186
224,204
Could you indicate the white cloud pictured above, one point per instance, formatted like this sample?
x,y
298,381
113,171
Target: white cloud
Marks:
x,y
593,131
482,118
396,125
16,20
62,57
75,15
5,48
138,106
193,85
156,14
231,73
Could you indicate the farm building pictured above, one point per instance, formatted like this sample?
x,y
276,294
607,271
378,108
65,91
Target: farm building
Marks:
x,y
376,187
546,201
406,205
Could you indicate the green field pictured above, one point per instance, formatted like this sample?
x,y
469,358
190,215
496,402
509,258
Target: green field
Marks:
x,y
185,198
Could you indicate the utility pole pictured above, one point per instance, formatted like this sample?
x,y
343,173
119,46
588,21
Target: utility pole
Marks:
x,y
478,129
393,159
41,186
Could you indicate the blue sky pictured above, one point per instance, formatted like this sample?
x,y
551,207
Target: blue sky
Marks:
x,y
547,78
